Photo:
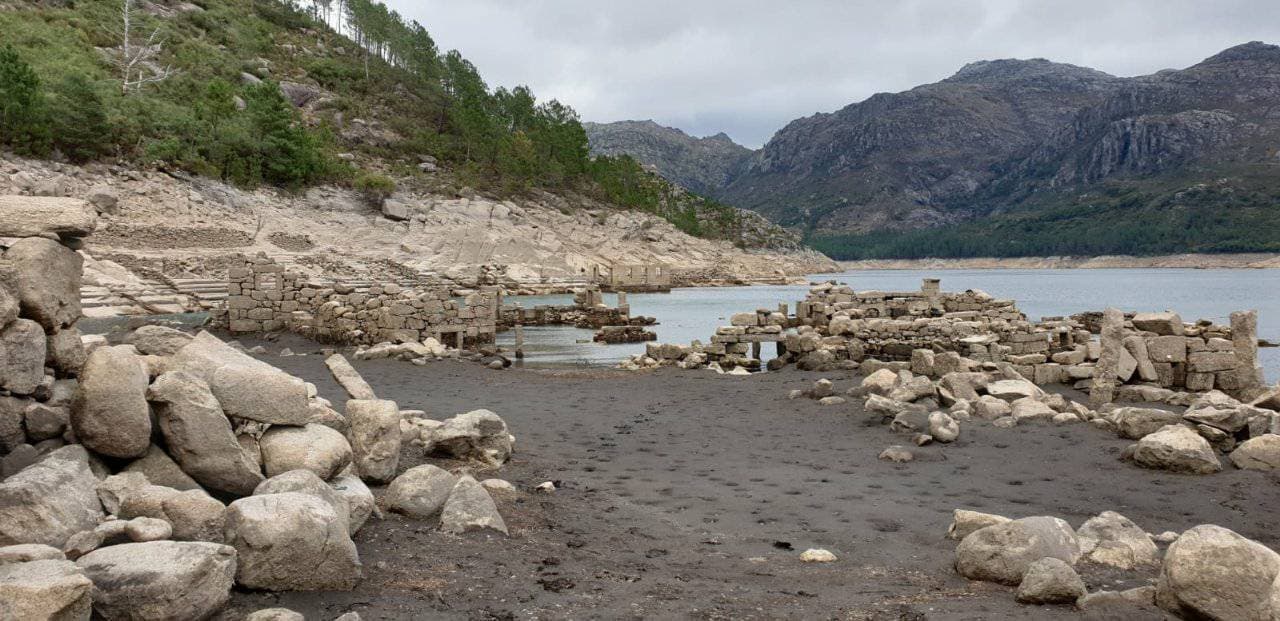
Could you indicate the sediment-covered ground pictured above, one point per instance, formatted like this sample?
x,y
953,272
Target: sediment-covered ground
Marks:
x,y
689,494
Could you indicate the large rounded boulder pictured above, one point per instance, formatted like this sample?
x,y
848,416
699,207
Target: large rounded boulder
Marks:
x,y
1003,552
1211,572
199,435
110,415
160,579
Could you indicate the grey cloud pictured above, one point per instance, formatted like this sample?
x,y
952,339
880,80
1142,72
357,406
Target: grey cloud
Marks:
x,y
747,67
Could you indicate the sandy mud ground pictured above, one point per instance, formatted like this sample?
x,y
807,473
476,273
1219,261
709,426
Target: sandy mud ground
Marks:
x,y
691,495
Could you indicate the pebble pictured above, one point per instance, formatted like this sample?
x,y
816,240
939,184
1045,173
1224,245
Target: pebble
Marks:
x,y
546,487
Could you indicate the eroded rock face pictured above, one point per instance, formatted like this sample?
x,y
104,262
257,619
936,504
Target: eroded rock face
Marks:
x,y
110,415
1260,453
194,514
158,340
306,482
479,435
275,398
48,278
1050,581
32,216
160,469
199,435
420,492
470,508
245,387
1178,449
313,447
1003,552
64,351
51,500
375,438
160,579
360,502
964,522
44,589
291,542
22,356
1112,539
1136,423
1211,572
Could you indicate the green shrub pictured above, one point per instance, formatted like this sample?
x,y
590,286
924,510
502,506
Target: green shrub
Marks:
x,y
375,187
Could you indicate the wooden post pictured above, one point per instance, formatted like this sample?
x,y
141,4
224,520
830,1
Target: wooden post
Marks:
x,y
519,341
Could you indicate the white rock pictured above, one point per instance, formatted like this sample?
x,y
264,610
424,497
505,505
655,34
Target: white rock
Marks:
x,y
817,555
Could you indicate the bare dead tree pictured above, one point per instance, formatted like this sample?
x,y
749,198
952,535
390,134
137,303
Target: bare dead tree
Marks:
x,y
137,61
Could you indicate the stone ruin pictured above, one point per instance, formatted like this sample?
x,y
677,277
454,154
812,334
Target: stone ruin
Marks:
x,y
264,297
931,332
632,278
588,310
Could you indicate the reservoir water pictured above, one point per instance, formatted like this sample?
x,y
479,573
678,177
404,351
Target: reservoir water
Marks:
x,y
688,314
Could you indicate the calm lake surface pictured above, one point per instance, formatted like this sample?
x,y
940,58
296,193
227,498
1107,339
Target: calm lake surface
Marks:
x,y
687,314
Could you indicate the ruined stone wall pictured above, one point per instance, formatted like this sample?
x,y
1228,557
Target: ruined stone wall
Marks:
x,y
587,311
634,278
262,296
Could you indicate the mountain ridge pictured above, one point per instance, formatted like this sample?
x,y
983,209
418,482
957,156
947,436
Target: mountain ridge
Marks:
x,y
1028,147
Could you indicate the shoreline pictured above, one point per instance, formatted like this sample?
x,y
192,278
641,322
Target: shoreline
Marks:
x,y
1175,261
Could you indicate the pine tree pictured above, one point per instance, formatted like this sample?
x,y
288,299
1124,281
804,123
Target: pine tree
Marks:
x,y
20,101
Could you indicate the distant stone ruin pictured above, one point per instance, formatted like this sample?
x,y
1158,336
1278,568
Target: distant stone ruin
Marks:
x,y
264,297
931,332
633,278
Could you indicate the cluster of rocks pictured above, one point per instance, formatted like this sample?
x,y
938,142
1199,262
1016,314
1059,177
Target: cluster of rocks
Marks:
x,y
1191,441
1206,572
933,410
145,479
624,334
251,480
41,349
1186,440
263,296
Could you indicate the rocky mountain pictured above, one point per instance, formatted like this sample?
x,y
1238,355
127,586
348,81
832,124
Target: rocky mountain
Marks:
x,y
703,165
1031,157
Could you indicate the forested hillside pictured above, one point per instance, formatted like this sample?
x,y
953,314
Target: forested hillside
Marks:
x,y
274,92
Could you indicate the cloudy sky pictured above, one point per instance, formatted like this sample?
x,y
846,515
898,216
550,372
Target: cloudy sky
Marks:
x,y
747,67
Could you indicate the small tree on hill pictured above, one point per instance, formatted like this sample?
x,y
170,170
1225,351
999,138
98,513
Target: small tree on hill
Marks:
x,y
137,61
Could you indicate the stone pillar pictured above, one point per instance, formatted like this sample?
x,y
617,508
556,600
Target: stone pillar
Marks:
x,y
458,339
519,341
931,287
782,308
1244,338
755,350
1105,376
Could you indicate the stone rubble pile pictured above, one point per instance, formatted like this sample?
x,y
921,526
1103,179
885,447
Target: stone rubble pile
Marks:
x,y
624,334
1206,572
143,480
1154,355
1188,441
